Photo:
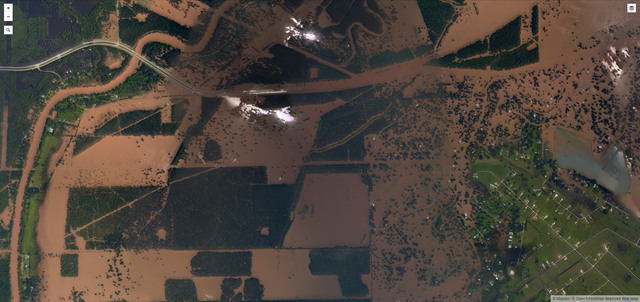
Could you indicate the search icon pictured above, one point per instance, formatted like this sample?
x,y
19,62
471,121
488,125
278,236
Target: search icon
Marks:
x,y
8,30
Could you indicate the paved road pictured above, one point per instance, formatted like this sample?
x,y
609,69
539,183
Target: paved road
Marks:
x,y
117,45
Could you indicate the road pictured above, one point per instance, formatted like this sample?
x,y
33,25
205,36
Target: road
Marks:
x,y
117,45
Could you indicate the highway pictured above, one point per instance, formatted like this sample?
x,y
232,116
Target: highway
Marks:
x,y
117,45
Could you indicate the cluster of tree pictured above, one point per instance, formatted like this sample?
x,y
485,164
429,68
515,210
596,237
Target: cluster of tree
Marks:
x,y
339,261
84,204
534,20
479,47
69,265
206,264
337,9
213,210
180,290
389,57
5,282
352,286
208,107
274,202
506,37
162,54
516,58
131,29
143,80
358,12
228,287
436,15
342,121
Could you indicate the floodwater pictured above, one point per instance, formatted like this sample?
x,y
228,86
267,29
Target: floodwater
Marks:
x,y
491,16
330,204
252,138
284,273
609,171
125,161
96,117
186,14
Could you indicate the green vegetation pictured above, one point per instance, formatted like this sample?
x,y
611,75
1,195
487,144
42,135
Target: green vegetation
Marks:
x,y
70,243
228,287
5,280
135,123
477,48
178,111
212,151
540,245
506,37
131,30
69,265
86,204
180,290
228,41
288,66
201,210
143,80
99,70
273,202
33,39
436,15
162,54
28,32
206,264
50,143
358,12
30,218
83,142
27,97
389,57
353,149
422,50
71,108
151,125
352,286
502,61
208,107
338,9
342,121
253,290
292,4
5,179
618,275
121,228
516,58
534,20
339,261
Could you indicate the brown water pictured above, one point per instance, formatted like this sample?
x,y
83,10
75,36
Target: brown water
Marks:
x,y
329,205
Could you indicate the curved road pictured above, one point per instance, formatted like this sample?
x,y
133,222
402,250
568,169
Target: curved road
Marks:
x,y
117,45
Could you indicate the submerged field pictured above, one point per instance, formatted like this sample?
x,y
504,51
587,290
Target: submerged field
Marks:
x,y
362,154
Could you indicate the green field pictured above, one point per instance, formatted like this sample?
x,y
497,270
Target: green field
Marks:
x,y
561,237
30,218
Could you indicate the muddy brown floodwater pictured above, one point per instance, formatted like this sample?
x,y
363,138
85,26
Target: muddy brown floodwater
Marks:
x,y
285,272
329,205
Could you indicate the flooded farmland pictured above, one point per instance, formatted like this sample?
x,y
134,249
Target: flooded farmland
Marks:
x,y
328,205
356,150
